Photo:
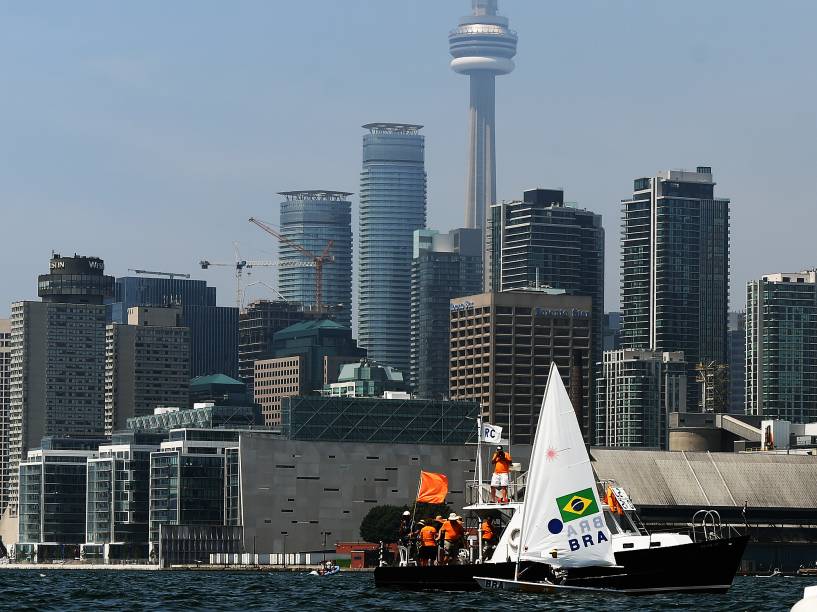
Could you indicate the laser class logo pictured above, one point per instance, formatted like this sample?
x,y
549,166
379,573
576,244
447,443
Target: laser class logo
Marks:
x,y
577,505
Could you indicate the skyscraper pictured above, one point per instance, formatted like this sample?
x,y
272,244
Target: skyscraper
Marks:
x,y
736,354
213,329
147,365
541,242
675,269
482,47
445,266
58,358
5,398
311,219
781,346
392,206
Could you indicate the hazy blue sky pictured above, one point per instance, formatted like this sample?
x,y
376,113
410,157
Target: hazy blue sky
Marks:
x,y
147,132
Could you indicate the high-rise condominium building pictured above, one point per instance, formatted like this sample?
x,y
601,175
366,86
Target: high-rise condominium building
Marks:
x,y
5,400
147,365
312,219
502,345
392,206
781,346
541,242
636,392
482,47
58,358
675,269
445,266
213,329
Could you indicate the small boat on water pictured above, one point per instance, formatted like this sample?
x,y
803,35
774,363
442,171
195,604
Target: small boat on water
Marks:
x,y
327,568
565,536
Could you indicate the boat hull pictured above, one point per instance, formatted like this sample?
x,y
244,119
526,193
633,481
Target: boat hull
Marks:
x,y
707,567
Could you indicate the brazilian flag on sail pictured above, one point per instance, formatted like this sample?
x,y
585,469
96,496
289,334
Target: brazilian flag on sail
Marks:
x,y
577,505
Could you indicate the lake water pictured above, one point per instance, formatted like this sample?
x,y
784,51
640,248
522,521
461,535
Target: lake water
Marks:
x,y
297,592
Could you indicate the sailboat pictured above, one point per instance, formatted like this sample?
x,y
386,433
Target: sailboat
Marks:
x,y
568,539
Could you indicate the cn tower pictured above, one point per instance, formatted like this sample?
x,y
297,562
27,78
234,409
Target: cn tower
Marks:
x,y
483,47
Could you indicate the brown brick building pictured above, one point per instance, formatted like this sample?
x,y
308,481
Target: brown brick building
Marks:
x,y
502,345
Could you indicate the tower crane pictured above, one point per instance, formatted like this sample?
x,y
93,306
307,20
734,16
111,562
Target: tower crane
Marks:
x,y
239,265
317,261
170,275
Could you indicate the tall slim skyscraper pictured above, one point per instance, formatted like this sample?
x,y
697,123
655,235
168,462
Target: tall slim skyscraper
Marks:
x,y
781,346
541,242
392,206
445,266
311,219
213,329
675,269
5,398
58,358
736,355
482,47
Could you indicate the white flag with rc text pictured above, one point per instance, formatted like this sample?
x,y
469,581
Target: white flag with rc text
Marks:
x,y
491,433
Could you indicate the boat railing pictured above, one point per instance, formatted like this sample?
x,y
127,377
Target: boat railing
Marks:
x,y
480,492
707,525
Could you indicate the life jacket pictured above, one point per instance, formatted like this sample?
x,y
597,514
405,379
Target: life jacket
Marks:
x,y
428,536
487,531
501,466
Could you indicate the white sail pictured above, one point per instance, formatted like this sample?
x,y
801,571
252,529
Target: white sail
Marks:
x,y
562,521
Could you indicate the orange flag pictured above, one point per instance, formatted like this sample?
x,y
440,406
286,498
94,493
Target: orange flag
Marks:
x,y
433,488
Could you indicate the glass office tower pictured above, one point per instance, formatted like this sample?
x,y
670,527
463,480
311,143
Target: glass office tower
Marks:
x,y
312,219
392,206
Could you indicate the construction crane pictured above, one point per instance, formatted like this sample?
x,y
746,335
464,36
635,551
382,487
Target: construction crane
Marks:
x,y
170,275
317,260
239,265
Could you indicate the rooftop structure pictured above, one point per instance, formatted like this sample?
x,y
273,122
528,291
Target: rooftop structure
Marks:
x,y
393,128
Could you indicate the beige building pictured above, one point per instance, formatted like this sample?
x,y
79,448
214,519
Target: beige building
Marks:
x,y
502,345
5,398
276,379
147,364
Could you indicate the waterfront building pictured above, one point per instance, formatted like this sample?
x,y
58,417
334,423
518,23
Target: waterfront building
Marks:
x,y
393,419
781,346
502,345
58,358
444,266
213,329
312,219
187,482
392,206
736,357
5,401
118,495
147,364
482,47
366,378
541,242
52,504
675,269
257,324
636,392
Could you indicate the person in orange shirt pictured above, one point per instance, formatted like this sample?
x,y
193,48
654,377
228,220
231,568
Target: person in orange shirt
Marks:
x,y
427,538
451,535
501,478
488,536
